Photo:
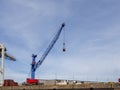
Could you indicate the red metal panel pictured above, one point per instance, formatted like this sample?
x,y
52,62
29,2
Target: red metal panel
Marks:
x,y
32,81
10,82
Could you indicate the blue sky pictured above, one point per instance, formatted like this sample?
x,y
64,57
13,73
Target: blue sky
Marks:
x,y
92,38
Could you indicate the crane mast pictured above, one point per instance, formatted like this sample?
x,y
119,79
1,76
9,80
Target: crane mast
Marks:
x,y
35,65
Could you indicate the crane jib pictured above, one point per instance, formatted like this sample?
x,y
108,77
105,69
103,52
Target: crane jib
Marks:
x,y
52,43
49,47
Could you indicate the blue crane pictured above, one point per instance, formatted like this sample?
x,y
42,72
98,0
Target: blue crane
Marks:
x,y
35,65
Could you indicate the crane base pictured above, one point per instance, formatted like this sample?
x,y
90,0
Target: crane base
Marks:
x,y
32,81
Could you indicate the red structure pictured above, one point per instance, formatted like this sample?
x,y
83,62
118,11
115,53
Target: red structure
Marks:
x,y
10,82
32,81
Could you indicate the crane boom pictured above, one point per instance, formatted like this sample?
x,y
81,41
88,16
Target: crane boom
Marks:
x,y
49,47
35,65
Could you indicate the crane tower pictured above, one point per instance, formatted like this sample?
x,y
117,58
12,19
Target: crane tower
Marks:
x,y
3,55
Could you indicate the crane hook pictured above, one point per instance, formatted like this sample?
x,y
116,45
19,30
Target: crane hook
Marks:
x,y
64,49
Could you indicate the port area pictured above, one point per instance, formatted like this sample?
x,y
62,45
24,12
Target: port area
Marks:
x,y
84,86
